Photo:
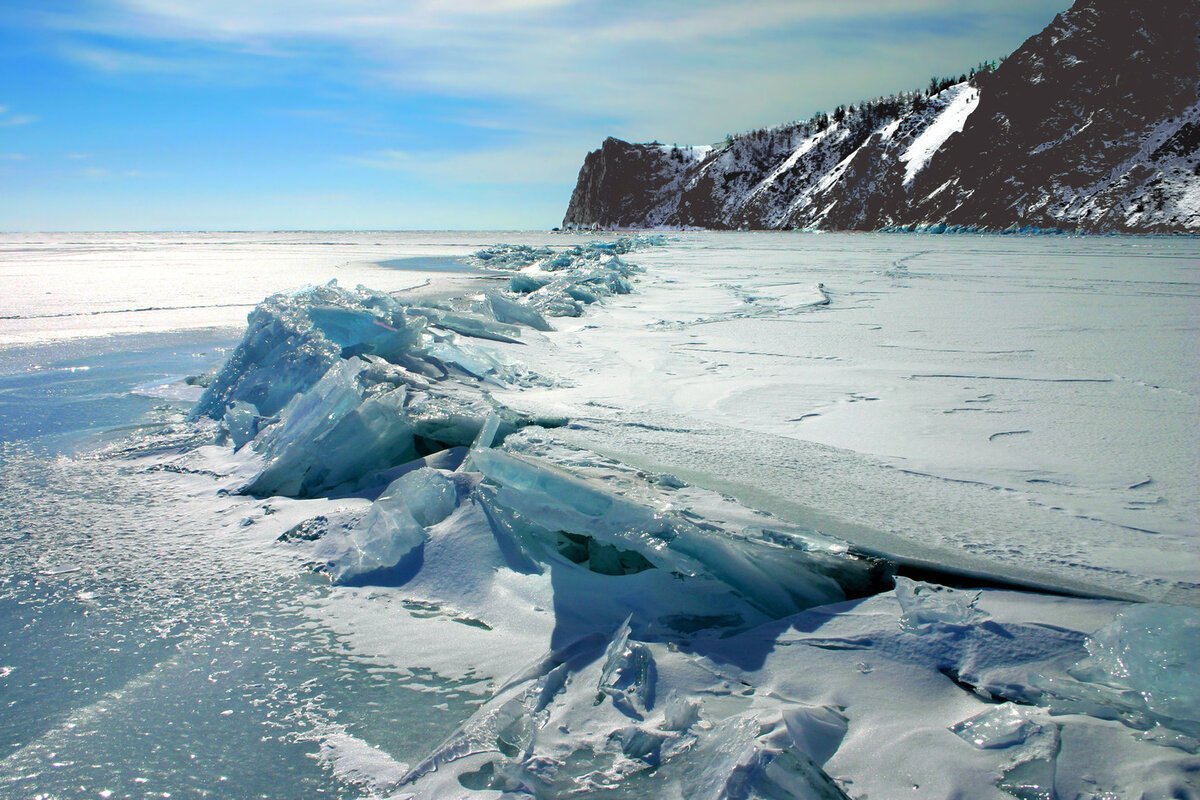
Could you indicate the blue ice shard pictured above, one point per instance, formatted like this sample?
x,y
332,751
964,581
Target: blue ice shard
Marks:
x,y
511,311
629,675
335,432
243,422
389,538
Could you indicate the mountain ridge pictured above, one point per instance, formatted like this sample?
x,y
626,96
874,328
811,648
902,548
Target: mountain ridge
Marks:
x,y
1091,125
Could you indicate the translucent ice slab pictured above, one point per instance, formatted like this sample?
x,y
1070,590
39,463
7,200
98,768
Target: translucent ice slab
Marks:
x,y
394,529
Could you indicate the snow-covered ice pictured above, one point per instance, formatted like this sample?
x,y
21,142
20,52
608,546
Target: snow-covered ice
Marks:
x,y
719,516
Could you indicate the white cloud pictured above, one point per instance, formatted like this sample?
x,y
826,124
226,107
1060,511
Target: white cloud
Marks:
x,y
13,157
105,172
648,66
79,156
8,120
526,162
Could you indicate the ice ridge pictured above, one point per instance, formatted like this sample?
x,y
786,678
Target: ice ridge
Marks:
x,y
330,385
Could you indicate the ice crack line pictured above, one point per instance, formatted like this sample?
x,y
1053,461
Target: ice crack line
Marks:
x,y
996,436
125,311
1009,378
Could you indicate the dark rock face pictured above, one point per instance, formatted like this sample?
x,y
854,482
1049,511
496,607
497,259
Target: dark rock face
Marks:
x,y
625,185
1092,124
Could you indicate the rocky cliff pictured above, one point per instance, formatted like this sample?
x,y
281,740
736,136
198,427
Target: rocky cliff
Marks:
x,y
1092,124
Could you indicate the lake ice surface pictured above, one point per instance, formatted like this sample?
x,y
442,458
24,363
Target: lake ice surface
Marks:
x,y
1023,409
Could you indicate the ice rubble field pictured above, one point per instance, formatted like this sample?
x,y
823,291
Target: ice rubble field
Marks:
x,y
666,517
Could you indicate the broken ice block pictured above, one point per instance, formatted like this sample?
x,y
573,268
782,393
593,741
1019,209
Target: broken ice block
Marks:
x,y
629,675
331,434
1007,725
925,604
242,420
469,324
359,331
395,526
505,310
1153,649
524,282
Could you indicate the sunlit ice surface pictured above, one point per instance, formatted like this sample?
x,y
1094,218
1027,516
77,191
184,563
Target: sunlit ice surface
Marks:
x,y
1023,401
157,638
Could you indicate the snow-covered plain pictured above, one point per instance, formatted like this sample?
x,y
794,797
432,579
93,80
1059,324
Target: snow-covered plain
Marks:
x,y
644,551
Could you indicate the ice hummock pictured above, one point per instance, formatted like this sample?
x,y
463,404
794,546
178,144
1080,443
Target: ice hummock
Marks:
x,y
666,574
330,385
540,502
582,720
293,339
560,284
359,384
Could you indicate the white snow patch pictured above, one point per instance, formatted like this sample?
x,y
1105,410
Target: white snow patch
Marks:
x,y
834,174
789,162
964,99
889,130
939,190
696,152
355,761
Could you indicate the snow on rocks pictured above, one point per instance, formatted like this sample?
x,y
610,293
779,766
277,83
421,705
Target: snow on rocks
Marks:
x,y
959,101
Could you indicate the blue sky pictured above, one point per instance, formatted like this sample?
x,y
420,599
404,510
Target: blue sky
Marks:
x,y
423,114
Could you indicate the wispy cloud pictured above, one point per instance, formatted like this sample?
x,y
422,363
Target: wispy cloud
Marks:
x,y
646,65
522,163
79,156
9,120
13,157
383,159
110,59
101,173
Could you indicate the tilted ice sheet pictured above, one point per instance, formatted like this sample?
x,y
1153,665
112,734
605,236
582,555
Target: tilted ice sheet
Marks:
x,y
1044,385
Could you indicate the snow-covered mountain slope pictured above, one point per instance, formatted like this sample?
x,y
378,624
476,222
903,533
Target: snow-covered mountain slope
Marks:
x,y
1092,124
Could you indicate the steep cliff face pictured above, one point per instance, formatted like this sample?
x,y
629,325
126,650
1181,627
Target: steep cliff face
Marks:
x,y
1092,124
625,185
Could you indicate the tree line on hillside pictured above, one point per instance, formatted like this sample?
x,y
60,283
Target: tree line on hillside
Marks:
x,y
870,112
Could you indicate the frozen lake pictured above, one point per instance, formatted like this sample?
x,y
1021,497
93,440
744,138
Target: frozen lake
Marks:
x,y
1018,411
